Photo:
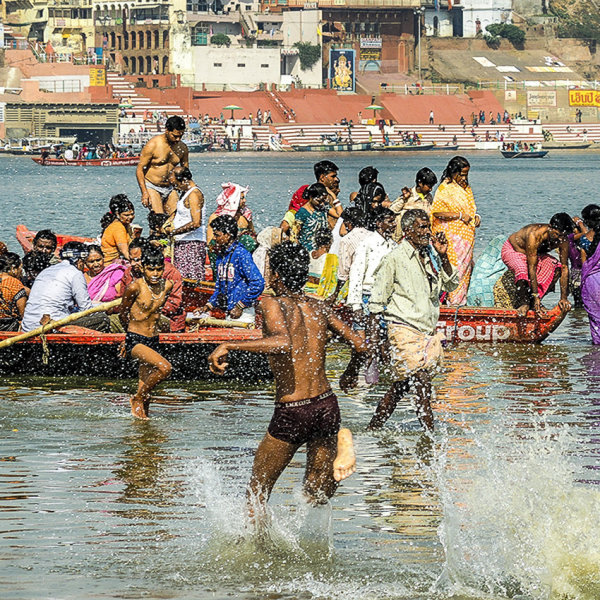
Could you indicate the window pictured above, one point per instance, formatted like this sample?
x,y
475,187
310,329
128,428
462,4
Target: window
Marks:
x,y
241,64
217,64
264,66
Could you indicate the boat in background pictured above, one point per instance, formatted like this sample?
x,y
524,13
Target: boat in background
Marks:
x,y
524,153
25,238
333,147
406,147
565,145
126,161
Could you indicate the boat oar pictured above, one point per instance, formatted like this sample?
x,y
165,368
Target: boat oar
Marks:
x,y
210,322
54,324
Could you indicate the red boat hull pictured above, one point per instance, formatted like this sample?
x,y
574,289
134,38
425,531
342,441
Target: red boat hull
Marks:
x,y
25,238
128,161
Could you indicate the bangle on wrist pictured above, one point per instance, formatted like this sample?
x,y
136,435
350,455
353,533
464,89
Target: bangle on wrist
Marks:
x,y
460,215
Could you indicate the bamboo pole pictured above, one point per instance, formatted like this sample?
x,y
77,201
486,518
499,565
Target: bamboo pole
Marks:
x,y
54,324
210,322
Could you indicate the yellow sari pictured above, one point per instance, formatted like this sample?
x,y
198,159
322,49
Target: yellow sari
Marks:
x,y
451,197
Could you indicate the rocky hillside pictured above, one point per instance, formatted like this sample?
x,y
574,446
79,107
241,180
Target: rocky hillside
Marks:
x,y
578,18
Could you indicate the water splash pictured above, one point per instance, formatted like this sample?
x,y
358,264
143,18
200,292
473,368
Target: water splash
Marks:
x,y
516,522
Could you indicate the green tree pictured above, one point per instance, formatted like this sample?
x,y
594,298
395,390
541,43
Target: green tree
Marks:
x,y
309,54
512,33
220,39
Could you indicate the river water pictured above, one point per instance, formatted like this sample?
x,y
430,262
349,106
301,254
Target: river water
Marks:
x,y
503,503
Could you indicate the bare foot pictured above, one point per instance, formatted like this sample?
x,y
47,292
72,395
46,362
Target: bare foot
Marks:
x,y
137,408
522,310
345,461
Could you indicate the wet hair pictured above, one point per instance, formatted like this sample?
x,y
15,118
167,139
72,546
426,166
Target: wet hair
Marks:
x,y
367,175
141,243
152,257
35,262
10,260
354,216
175,123
118,204
316,190
291,262
225,224
46,234
94,248
410,217
426,176
323,167
377,190
156,220
323,237
456,165
591,216
182,174
381,213
562,222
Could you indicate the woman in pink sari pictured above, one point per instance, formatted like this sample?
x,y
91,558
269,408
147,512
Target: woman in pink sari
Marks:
x,y
454,212
104,283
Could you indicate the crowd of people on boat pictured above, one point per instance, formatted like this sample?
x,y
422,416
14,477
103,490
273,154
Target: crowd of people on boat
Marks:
x,y
519,146
79,152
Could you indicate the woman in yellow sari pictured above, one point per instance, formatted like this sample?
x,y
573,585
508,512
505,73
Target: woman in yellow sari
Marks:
x,y
454,212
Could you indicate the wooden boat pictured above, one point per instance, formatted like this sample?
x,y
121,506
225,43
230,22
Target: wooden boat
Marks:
x,y
194,147
566,145
408,147
487,324
524,154
93,354
332,147
126,161
25,238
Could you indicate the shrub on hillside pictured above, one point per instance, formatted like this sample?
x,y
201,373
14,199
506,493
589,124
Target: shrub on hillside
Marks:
x,y
512,33
220,39
308,54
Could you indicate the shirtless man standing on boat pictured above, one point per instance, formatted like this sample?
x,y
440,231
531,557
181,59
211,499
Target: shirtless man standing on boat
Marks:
x,y
295,334
526,254
159,157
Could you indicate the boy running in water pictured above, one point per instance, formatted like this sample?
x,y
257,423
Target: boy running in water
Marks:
x,y
295,334
140,313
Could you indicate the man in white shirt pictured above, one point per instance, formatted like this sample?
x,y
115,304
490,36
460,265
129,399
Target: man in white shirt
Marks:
x,y
354,221
367,257
60,290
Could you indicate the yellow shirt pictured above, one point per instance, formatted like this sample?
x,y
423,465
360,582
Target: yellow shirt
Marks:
x,y
114,234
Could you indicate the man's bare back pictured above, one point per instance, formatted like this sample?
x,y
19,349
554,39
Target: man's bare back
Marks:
x,y
533,238
300,373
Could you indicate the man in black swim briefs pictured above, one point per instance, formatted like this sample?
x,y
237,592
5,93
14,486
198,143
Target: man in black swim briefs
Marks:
x,y
295,334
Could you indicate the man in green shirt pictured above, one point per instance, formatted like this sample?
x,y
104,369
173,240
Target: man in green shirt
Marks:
x,y
407,288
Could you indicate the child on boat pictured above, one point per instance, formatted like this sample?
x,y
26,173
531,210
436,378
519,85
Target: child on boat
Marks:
x,y
140,314
295,334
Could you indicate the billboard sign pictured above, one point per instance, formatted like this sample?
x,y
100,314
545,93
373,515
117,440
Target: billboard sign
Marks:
x,y
341,69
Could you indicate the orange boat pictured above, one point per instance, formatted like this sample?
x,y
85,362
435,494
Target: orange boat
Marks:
x,y
25,238
126,161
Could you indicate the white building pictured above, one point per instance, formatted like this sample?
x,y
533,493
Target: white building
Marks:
x,y
465,18
260,52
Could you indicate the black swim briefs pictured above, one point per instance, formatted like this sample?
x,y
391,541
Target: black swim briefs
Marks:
x,y
306,420
133,339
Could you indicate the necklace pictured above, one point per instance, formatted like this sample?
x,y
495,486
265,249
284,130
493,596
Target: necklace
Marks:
x,y
154,297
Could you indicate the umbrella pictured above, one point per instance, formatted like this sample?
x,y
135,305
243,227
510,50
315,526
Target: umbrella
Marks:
x,y
232,107
374,108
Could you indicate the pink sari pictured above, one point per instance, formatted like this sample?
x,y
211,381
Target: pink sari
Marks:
x,y
102,288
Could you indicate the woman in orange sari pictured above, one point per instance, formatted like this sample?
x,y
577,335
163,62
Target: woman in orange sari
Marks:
x,y
454,212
